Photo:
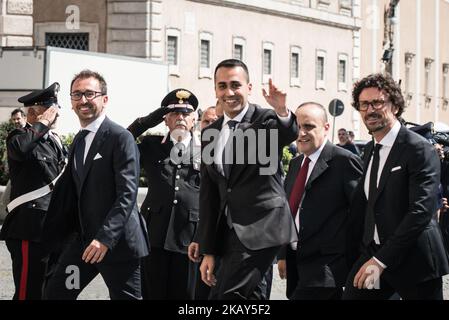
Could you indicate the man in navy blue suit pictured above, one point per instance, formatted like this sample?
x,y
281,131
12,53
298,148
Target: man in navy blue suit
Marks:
x,y
94,207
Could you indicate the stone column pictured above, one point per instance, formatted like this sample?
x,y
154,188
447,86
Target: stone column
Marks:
x,y
135,28
16,22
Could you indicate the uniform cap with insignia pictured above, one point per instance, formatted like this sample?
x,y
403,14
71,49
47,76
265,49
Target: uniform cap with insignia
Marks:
x,y
46,97
180,100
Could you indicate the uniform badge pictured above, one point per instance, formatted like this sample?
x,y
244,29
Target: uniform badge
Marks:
x,y
182,95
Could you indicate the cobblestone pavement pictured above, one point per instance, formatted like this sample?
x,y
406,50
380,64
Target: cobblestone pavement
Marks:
x,y
97,289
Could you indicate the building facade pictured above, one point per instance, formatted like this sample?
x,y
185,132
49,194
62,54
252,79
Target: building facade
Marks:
x,y
418,33
312,49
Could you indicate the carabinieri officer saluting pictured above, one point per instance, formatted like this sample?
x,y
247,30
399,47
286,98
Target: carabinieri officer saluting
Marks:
x,y
36,158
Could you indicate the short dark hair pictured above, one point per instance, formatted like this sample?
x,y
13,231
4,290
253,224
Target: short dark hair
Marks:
x,y
316,104
85,74
343,129
232,63
383,83
18,110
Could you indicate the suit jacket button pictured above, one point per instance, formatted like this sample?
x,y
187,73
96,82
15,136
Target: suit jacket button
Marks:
x,y
176,188
34,205
229,190
175,201
179,166
177,177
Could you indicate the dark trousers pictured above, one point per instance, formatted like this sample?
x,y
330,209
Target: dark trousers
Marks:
x,y
202,290
317,293
427,290
168,276
241,271
28,268
294,289
71,275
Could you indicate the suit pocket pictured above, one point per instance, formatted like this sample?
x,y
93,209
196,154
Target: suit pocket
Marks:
x,y
277,202
194,215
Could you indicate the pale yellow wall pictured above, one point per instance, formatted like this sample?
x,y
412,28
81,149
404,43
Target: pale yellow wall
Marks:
x,y
256,28
408,30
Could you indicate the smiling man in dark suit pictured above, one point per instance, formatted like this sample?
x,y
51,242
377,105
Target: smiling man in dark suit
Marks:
x,y
395,205
94,203
244,215
316,266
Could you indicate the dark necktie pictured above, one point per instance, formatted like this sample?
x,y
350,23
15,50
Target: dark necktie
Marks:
x,y
227,150
79,152
298,187
177,152
370,219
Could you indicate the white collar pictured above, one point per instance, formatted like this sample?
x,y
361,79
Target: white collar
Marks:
x,y
185,141
314,156
95,125
237,118
390,137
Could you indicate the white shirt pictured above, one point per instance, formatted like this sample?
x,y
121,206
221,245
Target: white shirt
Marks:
x,y
185,141
93,128
313,159
224,134
387,143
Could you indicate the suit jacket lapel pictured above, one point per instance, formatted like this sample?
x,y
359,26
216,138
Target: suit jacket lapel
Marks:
x,y
243,125
392,159
293,171
213,142
367,154
321,164
98,141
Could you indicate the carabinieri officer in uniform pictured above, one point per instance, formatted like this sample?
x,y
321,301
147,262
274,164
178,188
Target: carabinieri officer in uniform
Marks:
x,y
36,158
172,165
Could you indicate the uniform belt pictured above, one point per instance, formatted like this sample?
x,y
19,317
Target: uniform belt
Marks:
x,y
33,195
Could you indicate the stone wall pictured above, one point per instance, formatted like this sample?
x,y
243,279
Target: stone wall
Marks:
x,y
135,28
16,22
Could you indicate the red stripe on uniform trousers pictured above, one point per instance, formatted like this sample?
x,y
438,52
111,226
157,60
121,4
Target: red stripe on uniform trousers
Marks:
x,y
24,274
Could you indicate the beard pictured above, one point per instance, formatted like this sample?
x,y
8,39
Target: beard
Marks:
x,y
381,123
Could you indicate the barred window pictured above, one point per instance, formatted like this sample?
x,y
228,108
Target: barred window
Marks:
x,y
238,51
78,41
342,71
266,61
205,53
445,80
294,71
320,68
172,50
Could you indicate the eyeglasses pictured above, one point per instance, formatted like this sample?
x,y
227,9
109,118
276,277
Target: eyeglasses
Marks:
x,y
376,104
89,95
